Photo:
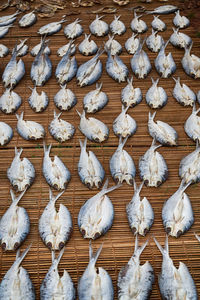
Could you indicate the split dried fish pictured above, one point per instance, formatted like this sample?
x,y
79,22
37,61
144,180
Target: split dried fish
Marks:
x,y
22,48
117,26
192,125
65,99
154,41
163,10
61,130
36,49
4,51
132,44
99,27
180,21
191,63
124,125
156,97
95,100
179,39
131,96
158,24
38,102
183,94
10,101
28,19
4,30
7,20
138,26
63,49
87,47
114,46
6,133
51,28
73,30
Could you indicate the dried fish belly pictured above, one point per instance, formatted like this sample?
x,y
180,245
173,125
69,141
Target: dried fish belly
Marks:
x,y
61,130
95,100
156,97
124,125
65,99
29,130
131,96
38,102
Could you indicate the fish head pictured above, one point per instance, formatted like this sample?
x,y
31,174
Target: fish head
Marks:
x,y
10,243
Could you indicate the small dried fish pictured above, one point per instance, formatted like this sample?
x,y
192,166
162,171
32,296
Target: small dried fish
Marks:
x,y
38,102
95,100
73,30
28,19
87,47
105,10
90,169
156,97
4,4
99,27
7,20
114,46
4,30
65,99
22,48
191,63
154,41
183,94
117,26
10,101
163,10
198,96
37,48
179,39
131,96
61,130
93,129
3,50
132,44
45,11
29,130
63,50
138,26
158,24
55,172
55,227
192,125
14,226
6,133
139,212
124,125
21,172
180,21
51,28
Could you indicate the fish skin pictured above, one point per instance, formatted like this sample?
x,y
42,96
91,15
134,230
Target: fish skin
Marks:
x,y
4,30
38,102
36,49
87,47
114,46
192,125
158,24
180,21
54,285
95,100
198,96
65,99
73,30
132,44
134,280
179,39
10,101
6,133
61,130
90,170
152,166
124,125
29,130
14,226
191,63
95,283
22,48
63,49
9,19
66,68
138,26
163,10
41,68
156,97
51,28
140,63
122,167
139,212
189,168
96,215
99,27
154,42
93,129
162,132
164,64
24,290
131,96
55,227
4,51
177,213
117,26
21,172
14,71
183,94
90,71
28,19
175,283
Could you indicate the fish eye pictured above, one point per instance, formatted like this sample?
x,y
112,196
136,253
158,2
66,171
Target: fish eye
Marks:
x,y
3,245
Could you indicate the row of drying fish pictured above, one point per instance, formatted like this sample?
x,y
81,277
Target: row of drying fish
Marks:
x,y
134,279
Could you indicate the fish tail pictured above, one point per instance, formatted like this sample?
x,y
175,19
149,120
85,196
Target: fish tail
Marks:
x,y
19,258
54,198
18,153
162,250
152,116
138,250
95,256
14,199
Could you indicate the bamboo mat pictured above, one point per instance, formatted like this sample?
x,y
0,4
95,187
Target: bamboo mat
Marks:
x,y
118,243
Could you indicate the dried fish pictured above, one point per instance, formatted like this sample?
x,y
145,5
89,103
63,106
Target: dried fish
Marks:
x,y
163,10
192,125
138,26
156,97
22,48
38,102
154,41
95,100
28,19
99,27
51,28
63,49
158,24
131,96
113,45
191,63
61,130
73,30
10,101
183,94
179,39
132,44
180,21
36,49
3,50
124,125
65,99
6,133
87,47
7,20
4,30
117,26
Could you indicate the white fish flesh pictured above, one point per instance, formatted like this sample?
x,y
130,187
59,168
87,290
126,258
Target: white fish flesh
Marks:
x,y
175,283
191,63
55,227
4,30
10,101
131,96
114,46
117,26
41,68
132,44
36,49
96,216
115,67
165,64
158,24
163,10
6,133
138,26
95,283
4,51
63,49
95,100
90,169
55,286
29,130
192,125
183,94
55,172
66,68
156,97
73,30
152,166
38,102
177,213
189,168
124,125
139,212
90,71
87,47
16,283
51,28
122,166
14,226
180,21
135,280
65,99
22,48
140,63
154,42
99,27
9,19
28,19
162,132
14,70
61,130
21,172
93,129
179,39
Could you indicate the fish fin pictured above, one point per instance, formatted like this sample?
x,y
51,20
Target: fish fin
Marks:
x,y
20,117
130,81
162,250
138,250
105,186
80,115
117,17
138,189
13,197
96,255
152,116
52,255
57,115
197,236
18,152
99,86
99,17
184,186
122,142
60,255
47,148
112,188
166,244
197,144
19,258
